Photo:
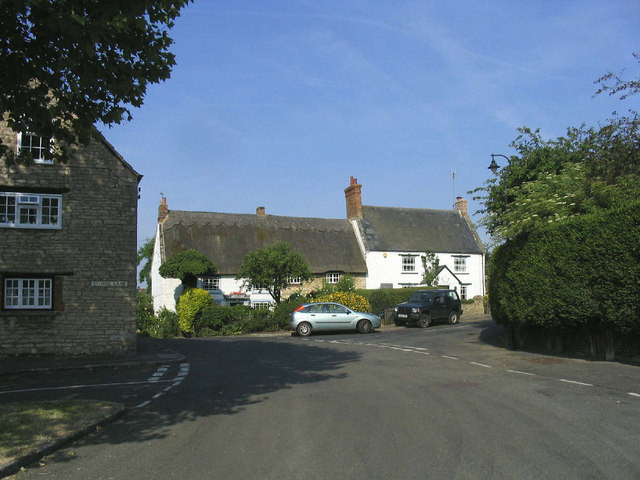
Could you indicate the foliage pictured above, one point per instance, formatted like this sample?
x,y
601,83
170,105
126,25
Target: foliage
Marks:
x,y
580,273
346,284
64,66
270,268
627,87
187,265
430,266
190,308
166,325
283,310
145,318
352,300
145,254
589,170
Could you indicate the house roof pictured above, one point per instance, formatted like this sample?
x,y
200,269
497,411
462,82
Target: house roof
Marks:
x,y
326,244
417,229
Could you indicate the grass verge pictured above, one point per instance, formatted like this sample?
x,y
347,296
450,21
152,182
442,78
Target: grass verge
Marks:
x,y
28,426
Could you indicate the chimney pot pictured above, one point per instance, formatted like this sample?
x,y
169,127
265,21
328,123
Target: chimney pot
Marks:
x,y
462,206
260,211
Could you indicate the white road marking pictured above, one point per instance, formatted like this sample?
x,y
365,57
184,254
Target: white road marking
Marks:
x,y
522,373
575,383
481,364
634,394
450,358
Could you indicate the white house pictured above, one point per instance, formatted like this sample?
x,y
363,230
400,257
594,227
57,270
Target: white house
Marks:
x,y
394,240
380,247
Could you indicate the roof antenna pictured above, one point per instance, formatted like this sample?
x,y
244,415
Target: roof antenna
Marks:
x,y
453,187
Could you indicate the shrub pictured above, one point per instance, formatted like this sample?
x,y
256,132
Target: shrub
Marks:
x,y
166,324
352,300
144,312
190,307
282,312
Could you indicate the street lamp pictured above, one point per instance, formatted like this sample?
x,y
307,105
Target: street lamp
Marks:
x,y
494,167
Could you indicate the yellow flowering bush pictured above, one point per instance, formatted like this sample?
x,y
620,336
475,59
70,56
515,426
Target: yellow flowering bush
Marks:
x,y
189,309
349,299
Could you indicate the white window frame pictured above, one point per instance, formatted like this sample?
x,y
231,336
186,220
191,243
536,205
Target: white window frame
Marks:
x,y
459,264
30,210
40,152
261,306
210,283
332,277
463,292
408,264
28,293
294,280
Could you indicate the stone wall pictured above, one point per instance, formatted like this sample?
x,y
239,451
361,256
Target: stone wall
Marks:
x,y
92,258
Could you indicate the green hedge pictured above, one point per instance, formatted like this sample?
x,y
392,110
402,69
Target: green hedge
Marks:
x,y
581,273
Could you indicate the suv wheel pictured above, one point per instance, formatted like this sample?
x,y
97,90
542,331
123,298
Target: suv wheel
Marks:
x,y
453,318
425,320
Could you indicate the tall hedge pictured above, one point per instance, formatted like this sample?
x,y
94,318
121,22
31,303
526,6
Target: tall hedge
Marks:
x,y
582,272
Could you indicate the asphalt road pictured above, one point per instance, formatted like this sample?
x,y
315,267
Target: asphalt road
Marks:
x,y
439,403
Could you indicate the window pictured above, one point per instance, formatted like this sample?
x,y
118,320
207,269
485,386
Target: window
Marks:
x,y
463,292
294,280
30,210
459,264
408,264
31,293
210,283
333,277
261,305
39,147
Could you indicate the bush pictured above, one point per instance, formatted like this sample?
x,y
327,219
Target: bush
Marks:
x,y
580,273
352,300
166,324
283,310
144,312
190,307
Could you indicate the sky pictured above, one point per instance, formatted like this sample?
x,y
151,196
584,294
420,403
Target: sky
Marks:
x,y
278,103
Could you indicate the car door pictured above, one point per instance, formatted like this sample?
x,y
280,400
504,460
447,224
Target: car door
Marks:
x,y
335,317
439,308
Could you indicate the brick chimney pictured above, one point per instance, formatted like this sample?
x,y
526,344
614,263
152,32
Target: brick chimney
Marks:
x,y
462,206
163,210
353,195
261,212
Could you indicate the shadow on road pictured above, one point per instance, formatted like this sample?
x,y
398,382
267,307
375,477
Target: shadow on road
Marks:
x,y
227,375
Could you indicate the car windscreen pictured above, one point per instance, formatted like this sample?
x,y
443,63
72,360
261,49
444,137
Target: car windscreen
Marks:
x,y
420,297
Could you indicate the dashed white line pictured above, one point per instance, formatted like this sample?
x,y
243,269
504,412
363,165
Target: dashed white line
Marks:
x,y
575,383
522,373
480,364
634,394
449,357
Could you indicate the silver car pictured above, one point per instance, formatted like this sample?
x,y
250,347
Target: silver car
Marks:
x,y
323,316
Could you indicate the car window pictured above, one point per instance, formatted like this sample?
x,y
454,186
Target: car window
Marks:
x,y
336,308
439,300
453,295
314,309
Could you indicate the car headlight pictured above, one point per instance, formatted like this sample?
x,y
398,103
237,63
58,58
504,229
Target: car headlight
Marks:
x,y
415,310
395,309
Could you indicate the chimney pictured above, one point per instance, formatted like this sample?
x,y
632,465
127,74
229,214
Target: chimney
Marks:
x,y
353,195
163,210
260,211
462,206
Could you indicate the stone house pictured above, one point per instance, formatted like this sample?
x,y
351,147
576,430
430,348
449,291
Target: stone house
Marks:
x,y
68,257
381,247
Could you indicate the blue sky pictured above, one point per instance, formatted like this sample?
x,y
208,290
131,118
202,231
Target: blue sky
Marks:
x,y
278,103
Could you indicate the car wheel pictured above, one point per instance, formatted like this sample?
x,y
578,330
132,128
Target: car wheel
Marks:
x,y
364,326
453,318
425,320
303,329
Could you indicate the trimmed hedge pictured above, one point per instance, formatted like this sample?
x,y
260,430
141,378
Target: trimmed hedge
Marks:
x,y
581,273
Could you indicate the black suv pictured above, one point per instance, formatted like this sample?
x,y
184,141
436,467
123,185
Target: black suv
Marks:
x,y
424,306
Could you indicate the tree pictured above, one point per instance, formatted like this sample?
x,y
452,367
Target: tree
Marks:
x,y
145,253
588,170
187,265
272,267
627,87
431,268
67,64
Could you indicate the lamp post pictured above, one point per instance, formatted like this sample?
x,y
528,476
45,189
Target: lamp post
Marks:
x,y
494,167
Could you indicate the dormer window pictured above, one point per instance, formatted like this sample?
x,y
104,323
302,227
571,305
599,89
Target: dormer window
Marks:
x,y
39,147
